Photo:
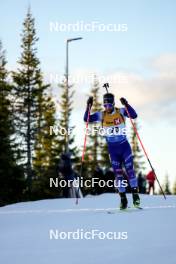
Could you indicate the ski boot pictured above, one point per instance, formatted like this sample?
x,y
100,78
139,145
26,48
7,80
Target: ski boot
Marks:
x,y
136,199
124,201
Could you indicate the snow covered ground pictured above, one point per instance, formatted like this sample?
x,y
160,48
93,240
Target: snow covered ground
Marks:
x,y
28,231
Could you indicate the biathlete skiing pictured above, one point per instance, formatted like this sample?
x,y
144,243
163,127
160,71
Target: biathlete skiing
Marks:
x,y
113,119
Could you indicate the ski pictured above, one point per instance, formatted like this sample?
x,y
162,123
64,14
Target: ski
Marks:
x,y
128,209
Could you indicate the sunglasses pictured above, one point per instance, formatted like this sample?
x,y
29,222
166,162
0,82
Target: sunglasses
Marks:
x,y
108,105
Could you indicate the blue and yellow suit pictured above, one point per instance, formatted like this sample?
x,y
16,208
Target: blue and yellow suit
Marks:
x,y
119,148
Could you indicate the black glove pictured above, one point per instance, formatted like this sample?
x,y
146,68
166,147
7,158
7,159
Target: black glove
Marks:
x,y
90,101
123,101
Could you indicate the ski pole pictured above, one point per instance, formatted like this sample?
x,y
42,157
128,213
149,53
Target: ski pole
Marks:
x,y
84,150
137,134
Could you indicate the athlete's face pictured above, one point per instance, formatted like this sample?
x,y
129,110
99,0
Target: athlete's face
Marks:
x,y
108,107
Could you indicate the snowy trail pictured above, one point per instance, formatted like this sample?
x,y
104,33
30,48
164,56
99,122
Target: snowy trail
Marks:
x,y
71,210
25,231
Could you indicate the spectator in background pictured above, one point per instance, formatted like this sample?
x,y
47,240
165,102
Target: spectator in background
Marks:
x,y
141,183
109,176
68,174
151,182
99,175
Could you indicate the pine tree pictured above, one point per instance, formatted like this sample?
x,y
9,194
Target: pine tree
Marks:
x,y
45,141
174,188
139,164
167,185
27,87
47,147
66,106
11,173
93,148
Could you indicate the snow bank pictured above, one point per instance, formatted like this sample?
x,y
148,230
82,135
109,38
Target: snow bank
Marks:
x,y
144,236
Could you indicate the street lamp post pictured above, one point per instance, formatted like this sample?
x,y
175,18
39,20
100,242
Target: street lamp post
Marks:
x,y
67,87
